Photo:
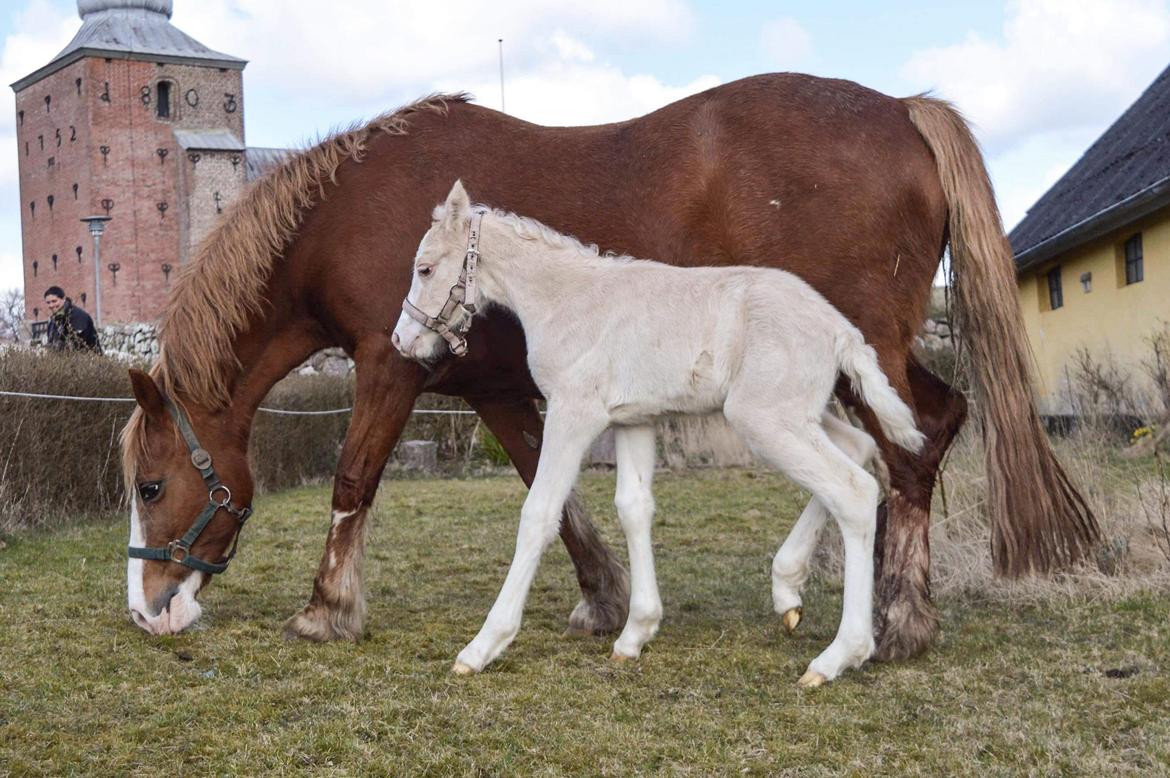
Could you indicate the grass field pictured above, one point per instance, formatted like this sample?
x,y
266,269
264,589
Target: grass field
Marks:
x,y
1070,686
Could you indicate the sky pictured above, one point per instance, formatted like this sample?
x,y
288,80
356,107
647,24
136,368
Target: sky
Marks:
x,y
1039,79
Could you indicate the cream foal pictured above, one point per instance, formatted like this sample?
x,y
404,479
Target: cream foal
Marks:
x,y
617,341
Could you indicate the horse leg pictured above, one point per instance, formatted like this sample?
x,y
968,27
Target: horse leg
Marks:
x,y
603,581
805,453
385,393
790,567
906,618
634,500
567,436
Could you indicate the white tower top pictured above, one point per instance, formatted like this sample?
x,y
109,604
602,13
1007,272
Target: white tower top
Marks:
x,y
87,7
131,29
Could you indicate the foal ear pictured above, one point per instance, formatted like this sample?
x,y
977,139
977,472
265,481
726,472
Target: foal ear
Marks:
x,y
457,209
148,395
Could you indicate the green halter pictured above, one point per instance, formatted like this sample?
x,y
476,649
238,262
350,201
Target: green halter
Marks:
x,y
179,551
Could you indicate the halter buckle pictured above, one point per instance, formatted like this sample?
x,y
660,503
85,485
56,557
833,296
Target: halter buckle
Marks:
x,y
178,551
201,459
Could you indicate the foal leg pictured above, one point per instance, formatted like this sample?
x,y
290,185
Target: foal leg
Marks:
x,y
805,454
567,436
636,453
386,389
605,587
791,564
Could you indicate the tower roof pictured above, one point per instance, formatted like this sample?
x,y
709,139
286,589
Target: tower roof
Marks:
x,y
131,29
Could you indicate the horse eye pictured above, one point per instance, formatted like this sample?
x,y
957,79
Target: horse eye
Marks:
x,y
424,270
150,490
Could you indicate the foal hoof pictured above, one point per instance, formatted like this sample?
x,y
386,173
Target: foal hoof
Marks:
x,y
811,680
791,618
620,659
461,669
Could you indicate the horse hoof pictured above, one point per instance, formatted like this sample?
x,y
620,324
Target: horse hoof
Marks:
x,y
620,659
811,680
461,669
791,618
577,632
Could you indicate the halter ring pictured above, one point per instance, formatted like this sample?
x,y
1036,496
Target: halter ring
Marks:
x,y
220,488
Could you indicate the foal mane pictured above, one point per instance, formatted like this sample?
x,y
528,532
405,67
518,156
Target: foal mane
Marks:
x,y
528,228
222,287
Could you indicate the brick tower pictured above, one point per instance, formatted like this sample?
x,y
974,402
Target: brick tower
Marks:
x,y
136,120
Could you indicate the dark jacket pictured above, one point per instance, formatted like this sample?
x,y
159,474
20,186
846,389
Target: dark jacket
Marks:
x,y
71,329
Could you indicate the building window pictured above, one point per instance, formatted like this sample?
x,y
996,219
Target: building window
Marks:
x,y
1086,282
1134,267
1055,293
164,99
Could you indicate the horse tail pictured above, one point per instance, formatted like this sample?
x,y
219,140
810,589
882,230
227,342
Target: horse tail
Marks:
x,y
1038,519
857,360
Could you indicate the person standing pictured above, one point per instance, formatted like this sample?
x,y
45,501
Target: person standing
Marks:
x,y
70,328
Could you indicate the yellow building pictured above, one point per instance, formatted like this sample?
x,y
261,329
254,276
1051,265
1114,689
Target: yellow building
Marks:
x,y
1093,260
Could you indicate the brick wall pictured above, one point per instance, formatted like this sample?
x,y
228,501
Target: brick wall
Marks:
x,y
116,148
53,148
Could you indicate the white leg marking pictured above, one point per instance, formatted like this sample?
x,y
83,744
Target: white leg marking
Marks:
x,y
340,516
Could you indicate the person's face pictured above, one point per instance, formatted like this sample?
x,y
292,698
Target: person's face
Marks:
x,y
54,302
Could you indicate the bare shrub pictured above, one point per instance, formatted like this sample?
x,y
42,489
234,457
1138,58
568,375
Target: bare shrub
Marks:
x,y
1131,499
1100,389
288,450
454,432
11,316
1157,366
701,441
59,460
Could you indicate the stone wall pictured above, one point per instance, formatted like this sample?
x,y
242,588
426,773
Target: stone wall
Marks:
x,y
936,335
140,341
130,341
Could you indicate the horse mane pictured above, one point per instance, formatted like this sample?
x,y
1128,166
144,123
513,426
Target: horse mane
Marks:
x,y
217,292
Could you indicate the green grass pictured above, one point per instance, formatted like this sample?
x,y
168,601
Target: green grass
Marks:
x,y
1007,690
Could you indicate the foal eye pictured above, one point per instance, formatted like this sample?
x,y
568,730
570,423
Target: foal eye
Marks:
x,y
424,271
150,491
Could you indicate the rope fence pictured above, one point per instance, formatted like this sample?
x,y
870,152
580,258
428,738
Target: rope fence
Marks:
x,y
277,411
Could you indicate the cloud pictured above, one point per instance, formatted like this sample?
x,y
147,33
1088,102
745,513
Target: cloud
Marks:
x,y
312,65
40,31
785,43
1062,64
570,93
294,47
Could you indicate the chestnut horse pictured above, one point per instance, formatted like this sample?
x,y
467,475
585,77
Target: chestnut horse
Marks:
x,y
856,192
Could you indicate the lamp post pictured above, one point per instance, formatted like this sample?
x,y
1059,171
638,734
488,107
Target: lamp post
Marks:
x,y
97,225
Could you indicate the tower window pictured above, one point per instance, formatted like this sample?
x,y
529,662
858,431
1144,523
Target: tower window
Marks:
x,y
164,99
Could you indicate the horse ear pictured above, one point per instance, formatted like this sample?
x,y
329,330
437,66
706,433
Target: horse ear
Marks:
x,y
148,394
457,209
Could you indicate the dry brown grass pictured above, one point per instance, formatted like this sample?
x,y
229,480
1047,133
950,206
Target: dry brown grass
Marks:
x,y
1131,499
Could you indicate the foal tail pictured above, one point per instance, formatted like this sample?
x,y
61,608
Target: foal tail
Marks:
x,y
857,360
1039,521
